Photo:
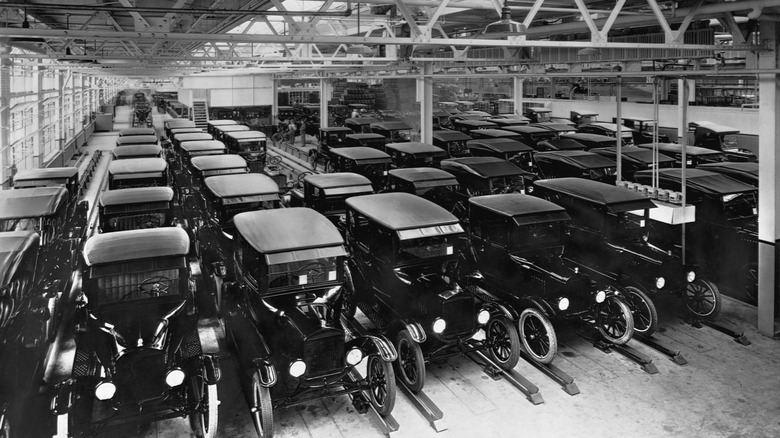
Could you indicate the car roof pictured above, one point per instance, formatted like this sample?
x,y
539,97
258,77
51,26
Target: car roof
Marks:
x,y
566,144
232,128
179,123
361,153
46,173
31,202
247,135
136,165
503,145
526,129
242,184
636,154
720,129
450,135
609,126
390,125
730,167
509,121
135,150
400,211
136,196
536,109
287,229
615,198
555,126
517,204
136,139
136,131
638,119
361,120
677,148
440,113
202,145
337,179
192,136
583,159
414,147
222,122
485,167
588,136
418,174
585,113
211,162
121,246
496,133
367,136
186,130
701,180
470,122
13,247
336,129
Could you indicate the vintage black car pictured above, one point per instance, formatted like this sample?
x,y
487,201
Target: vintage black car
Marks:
x,y
403,253
136,139
221,132
559,144
694,155
441,119
67,177
608,130
250,145
517,246
429,183
468,126
126,132
330,138
283,315
138,356
583,117
538,114
453,142
369,162
212,125
137,151
724,238
558,128
328,192
589,140
486,176
178,138
394,132
489,133
509,120
580,164
138,172
517,153
376,141
198,148
212,165
186,130
642,129
360,125
176,123
721,138
414,154
610,239
635,159
135,209
747,172
531,135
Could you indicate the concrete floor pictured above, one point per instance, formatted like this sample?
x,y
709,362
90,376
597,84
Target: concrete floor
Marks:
x,y
726,389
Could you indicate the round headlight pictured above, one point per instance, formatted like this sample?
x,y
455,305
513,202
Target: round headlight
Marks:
x,y
297,368
690,276
660,282
483,317
175,377
439,325
354,356
105,390
563,304
601,296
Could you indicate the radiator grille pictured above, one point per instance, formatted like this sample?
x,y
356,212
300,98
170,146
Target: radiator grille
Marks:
x,y
140,376
459,313
136,222
324,354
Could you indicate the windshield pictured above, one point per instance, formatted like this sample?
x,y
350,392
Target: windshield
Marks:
x,y
740,205
506,184
601,174
249,146
458,148
535,235
24,224
302,272
400,136
588,119
543,117
523,160
730,140
625,224
427,247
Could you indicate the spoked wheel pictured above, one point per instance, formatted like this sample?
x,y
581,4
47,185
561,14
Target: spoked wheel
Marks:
x,y
381,379
643,310
203,420
503,342
538,335
614,321
349,296
702,298
749,278
263,416
50,326
410,365
5,424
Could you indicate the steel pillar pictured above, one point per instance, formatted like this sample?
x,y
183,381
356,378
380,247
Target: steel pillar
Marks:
x,y
517,94
425,97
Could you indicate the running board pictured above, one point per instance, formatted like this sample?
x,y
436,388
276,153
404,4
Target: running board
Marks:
x,y
643,360
530,390
738,337
558,375
675,356
388,422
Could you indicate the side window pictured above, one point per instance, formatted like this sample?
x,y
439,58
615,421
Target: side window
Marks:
x,y
382,246
494,232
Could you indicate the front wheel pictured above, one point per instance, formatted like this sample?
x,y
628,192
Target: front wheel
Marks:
x,y
381,381
410,365
614,321
503,342
538,335
203,420
262,414
643,310
702,298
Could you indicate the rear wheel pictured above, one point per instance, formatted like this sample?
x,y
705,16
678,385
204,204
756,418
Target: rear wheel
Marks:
x,y
410,365
503,342
538,335
381,379
643,310
702,298
614,321
203,420
262,415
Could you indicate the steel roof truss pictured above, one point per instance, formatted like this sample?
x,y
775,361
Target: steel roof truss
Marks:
x,y
413,28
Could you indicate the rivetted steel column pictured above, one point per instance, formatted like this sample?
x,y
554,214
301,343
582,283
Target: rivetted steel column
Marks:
x,y
5,117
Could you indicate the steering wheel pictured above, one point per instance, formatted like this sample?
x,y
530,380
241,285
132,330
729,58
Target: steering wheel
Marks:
x,y
148,221
302,176
313,271
274,160
154,286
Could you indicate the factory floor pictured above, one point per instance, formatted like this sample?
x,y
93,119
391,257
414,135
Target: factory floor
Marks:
x,y
726,389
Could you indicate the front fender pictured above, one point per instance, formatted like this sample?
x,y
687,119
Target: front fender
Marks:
x,y
542,305
375,345
416,331
266,371
63,398
499,309
212,373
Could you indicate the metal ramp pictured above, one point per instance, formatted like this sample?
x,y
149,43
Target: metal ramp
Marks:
x,y
199,113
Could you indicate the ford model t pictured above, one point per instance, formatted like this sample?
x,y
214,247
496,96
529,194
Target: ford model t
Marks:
x,y
404,251
430,183
327,192
138,172
136,208
139,357
721,138
453,142
283,315
369,162
517,246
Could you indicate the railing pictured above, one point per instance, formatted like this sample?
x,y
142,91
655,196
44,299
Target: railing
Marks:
x,y
89,170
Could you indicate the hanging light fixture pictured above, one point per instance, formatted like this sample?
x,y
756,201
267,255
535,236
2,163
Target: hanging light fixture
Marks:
x,y
505,27
359,49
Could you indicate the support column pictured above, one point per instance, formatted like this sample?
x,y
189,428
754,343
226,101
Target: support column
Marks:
x,y
769,180
326,92
425,97
517,94
6,172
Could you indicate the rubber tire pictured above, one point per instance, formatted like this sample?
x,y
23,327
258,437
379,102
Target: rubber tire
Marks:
x,y
379,372
641,305
264,417
542,322
503,327
610,305
349,296
411,352
702,288
199,429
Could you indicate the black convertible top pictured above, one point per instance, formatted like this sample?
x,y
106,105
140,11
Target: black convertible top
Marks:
x,y
422,174
616,199
698,179
136,139
497,133
46,173
413,147
213,162
192,136
500,145
130,245
32,202
635,154
222,122
362,154
484,167
203,146
136,131
401,211
232,128
516,205
137,165
243,185
743,171
246,135
450,135
13,247
338,179
136,196
581,159
287,229
137,150
677,149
